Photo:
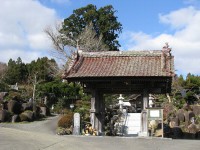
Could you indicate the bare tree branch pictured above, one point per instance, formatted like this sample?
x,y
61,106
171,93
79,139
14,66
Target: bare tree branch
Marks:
x,y
89,41
60,51
3,68
64,43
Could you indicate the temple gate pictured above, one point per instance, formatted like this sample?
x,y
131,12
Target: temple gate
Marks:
x,y
121,72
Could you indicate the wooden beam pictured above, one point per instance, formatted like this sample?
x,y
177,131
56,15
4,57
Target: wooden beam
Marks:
x,y
127,91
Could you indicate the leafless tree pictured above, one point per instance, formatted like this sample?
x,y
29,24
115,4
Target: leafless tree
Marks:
x,y
64,45
89,41
3,68
60,50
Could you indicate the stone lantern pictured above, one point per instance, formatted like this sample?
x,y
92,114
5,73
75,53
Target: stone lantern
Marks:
x,y
151,98
120,98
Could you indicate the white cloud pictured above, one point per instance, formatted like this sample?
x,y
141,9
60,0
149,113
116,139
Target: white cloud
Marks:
x,y
184,41
10,40
21,29
39,41
178,19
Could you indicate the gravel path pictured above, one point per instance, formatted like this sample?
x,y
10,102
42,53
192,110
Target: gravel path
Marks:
x,y
47,126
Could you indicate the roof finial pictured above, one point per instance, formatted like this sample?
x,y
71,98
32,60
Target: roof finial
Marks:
x,y
167,45
166,49
166,56
79,50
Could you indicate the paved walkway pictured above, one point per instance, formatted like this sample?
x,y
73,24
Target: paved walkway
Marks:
x,y
39,137
48,125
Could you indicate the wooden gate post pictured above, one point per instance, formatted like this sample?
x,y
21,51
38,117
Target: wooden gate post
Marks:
x,y
144,131
97,112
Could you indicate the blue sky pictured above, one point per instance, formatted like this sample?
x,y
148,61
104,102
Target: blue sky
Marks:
x,y
147,24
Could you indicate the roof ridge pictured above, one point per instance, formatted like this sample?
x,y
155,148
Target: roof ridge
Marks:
x,y
122,53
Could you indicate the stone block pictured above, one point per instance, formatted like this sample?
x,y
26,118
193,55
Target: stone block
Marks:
x,y
5,116
43,111
188,115
180,115
14,107
27,106
196,110
27,116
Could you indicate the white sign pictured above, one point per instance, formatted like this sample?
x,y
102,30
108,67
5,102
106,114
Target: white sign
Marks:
x,y
154,113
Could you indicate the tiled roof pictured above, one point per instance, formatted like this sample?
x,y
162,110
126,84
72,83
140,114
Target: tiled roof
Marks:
x,y
121,64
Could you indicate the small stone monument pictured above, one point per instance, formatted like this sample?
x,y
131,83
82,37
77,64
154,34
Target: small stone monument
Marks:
x,y
76,130
45,100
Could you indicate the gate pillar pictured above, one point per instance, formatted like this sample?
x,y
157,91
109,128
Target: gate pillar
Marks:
x,y
97,112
